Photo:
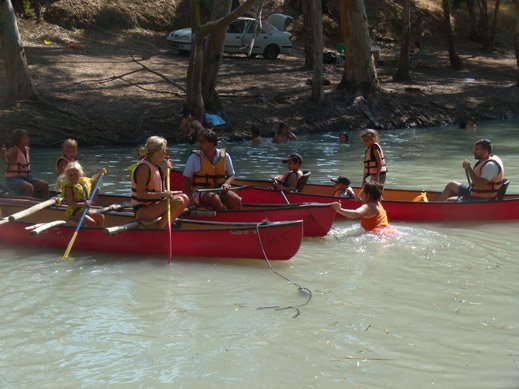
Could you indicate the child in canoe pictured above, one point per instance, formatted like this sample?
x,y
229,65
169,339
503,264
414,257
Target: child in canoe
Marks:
x,y
289,180
76,190
69,149
342,188
18,177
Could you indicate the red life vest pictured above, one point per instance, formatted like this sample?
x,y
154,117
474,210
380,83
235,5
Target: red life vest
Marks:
x,y
22,166
489,190
153,184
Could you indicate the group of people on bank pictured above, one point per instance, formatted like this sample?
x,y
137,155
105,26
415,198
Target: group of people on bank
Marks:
x,y
209,173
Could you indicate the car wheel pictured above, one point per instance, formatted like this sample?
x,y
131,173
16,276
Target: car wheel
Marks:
x,y
271,52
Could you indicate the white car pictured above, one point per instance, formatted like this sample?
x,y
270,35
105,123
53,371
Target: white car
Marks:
x,y
270,42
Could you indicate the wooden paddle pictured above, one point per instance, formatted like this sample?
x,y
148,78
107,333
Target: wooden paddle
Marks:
x,y
168,210
80,223
29,211
276,182
220,189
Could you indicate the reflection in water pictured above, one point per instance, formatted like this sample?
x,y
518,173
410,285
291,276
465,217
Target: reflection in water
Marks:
x,y
436,306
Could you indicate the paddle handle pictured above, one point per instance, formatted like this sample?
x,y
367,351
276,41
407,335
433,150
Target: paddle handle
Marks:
x,y
117,229
168,210
85,211
45,226
468,177
220,189
29,211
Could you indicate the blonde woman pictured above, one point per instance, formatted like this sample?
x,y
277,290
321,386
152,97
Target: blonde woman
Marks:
x,y
149,196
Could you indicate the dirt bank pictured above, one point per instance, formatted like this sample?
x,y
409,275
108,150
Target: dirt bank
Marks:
x,y
106,87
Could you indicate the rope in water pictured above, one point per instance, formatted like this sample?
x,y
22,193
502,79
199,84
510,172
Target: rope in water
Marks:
x,y
301,289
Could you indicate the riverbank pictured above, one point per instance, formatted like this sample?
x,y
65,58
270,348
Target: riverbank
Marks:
x,y
116,88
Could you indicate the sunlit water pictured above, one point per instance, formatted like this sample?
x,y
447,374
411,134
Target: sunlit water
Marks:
x,y
436,307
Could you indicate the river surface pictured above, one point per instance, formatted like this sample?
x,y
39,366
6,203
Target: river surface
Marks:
x,y
436,307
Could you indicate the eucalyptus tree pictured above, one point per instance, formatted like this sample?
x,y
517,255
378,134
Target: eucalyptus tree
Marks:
x,y
454,58
19,83
317,49
360,75
194,99
402,72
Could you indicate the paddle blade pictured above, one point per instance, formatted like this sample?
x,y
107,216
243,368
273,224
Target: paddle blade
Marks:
x,y
70,244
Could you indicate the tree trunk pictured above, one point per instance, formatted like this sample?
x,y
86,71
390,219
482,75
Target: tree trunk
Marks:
x,y
194,100
455,60
402,72
19,84
473,29
317,45
516,39
359,73
492,37
213,56
484,26
308,41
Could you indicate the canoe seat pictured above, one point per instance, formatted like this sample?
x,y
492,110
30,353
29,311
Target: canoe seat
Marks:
x,y
303,180
504,185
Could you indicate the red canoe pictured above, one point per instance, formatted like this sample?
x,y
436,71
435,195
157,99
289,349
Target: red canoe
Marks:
x,y
276,241
398,203
317,217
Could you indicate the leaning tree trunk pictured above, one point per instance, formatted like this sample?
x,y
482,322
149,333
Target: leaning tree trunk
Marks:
x,y
359,73
516,39
317,46
19,84
402,72
454,58
213,57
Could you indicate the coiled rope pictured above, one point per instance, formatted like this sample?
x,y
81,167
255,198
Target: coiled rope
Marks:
x,y
301,289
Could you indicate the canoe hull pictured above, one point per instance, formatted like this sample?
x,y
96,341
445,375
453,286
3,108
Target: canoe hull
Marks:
x,y
317,218
398,203
280,241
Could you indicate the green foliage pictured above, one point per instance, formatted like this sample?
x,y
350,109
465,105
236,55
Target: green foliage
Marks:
x,y
28,11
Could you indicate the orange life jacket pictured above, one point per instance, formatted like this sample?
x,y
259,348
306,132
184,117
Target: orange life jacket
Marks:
x,y
377,221
370,162
210,175
22,166
153,184
489,190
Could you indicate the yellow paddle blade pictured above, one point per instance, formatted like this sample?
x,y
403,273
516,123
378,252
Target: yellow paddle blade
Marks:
x,y
69,247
